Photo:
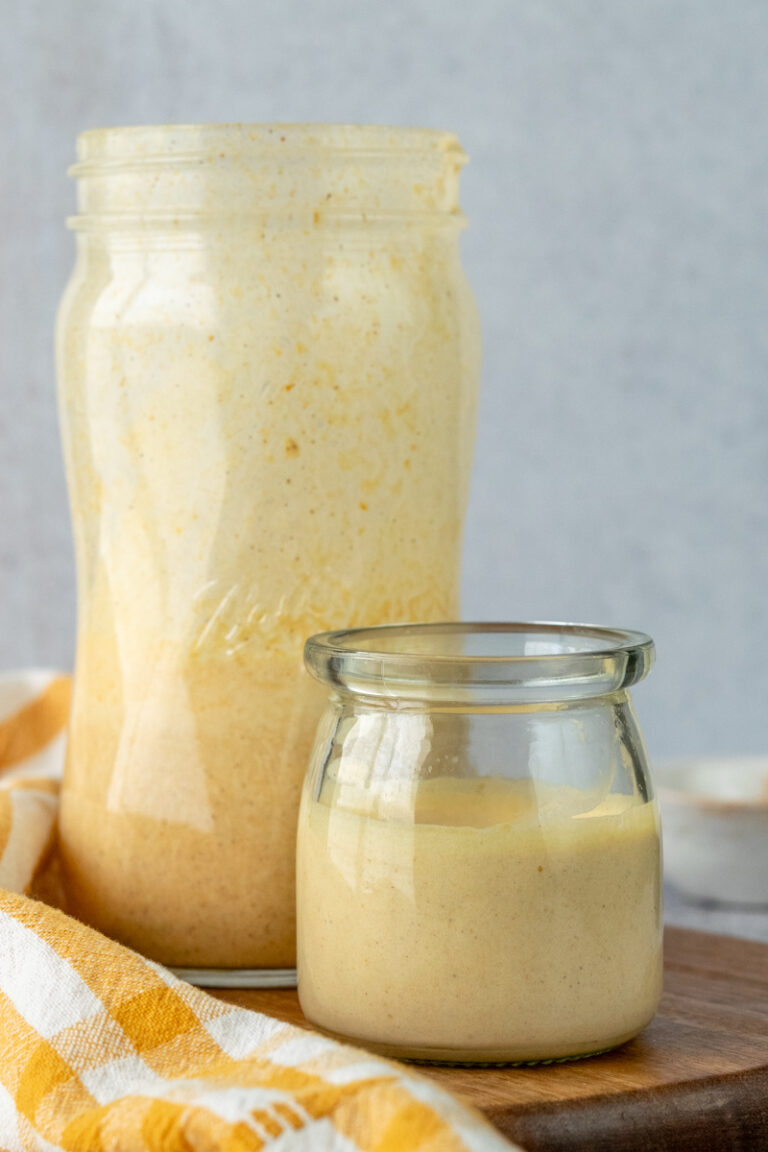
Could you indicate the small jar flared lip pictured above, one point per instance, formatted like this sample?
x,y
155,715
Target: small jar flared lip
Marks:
x,y
512,662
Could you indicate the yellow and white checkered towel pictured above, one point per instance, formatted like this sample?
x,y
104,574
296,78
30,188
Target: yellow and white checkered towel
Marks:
x,y
104,1051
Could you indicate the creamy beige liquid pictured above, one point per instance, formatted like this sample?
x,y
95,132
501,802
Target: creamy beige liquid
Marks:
x,y
268,429
495,926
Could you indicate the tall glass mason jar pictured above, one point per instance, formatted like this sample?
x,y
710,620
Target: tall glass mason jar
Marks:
x,y
267,359
479,865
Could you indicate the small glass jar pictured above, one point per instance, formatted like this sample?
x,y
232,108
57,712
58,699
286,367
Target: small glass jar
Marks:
x,y
479,865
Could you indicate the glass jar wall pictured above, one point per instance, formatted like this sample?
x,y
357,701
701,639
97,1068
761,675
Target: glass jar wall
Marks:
x,y
478,854
268,359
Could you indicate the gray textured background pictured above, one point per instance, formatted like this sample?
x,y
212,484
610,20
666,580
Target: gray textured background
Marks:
x,y
618,202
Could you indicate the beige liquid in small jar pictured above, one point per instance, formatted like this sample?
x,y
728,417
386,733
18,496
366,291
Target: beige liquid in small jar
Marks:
x,y
479,862
481,931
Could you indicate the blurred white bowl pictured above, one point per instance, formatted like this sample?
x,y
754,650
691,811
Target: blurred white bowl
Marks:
x,y
715,823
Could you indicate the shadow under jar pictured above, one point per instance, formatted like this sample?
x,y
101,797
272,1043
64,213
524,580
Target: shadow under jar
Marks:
x,y
479,873
267,360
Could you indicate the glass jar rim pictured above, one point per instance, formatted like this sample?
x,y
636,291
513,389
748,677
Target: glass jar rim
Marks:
x,y
481,662
126,144
173,177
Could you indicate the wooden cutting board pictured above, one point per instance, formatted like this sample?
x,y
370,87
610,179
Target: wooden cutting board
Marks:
x,y
696,1080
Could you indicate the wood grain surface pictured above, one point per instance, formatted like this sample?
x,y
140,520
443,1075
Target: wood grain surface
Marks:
x,y
696,1080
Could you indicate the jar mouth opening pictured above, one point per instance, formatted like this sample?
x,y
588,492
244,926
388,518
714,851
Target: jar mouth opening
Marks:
x,y
513,662
167,143
174,178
